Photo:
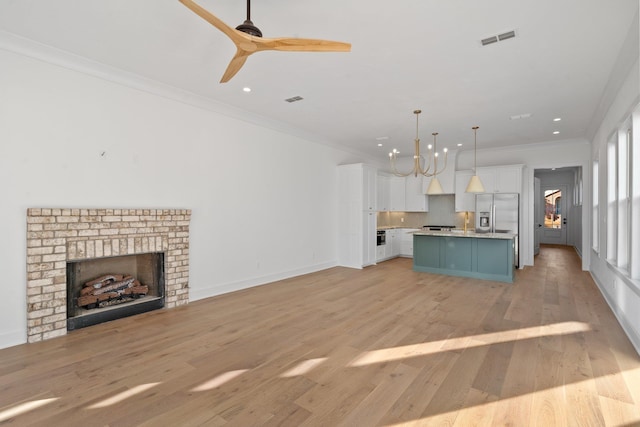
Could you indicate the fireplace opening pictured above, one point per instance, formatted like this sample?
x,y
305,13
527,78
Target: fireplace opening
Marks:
x,y
104,289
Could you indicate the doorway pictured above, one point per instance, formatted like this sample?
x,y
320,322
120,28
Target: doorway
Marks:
x,y
556,209
554,215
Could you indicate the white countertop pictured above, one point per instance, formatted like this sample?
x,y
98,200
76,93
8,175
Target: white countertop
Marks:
x,y
461,233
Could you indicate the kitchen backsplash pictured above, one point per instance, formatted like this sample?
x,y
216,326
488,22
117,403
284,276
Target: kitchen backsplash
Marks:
x,y
441,212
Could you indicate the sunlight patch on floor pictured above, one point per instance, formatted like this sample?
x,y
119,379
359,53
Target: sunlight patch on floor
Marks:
x,y
460,343
219,380
24,408
303,367
123,396
551,407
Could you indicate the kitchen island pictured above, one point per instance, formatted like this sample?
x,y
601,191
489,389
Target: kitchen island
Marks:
x,y
488,256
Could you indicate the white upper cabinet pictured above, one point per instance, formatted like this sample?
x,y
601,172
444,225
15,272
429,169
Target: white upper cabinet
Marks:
x,y
488,178
415,199
508,179
397,195
383,184
495,179
370,178
501,179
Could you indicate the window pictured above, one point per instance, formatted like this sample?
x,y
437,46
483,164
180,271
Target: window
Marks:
x,y
552,212
595,239
623,172
623,200
634,205
612,205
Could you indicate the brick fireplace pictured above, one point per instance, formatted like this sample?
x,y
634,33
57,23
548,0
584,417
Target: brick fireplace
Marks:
x,y
58,236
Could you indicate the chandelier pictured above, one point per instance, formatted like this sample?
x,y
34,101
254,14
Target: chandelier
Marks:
x,y
418,160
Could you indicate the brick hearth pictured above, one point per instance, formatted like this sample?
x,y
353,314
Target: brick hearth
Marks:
x,y
55,236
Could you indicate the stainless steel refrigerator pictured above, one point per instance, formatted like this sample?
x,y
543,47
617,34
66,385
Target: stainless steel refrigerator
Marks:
x,y
499,213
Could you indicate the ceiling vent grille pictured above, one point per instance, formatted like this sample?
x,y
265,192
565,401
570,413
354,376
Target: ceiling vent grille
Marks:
x,y
500,37
508,35
294,99
489,40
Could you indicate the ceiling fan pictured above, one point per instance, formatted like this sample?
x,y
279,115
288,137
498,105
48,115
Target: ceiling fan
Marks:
x,y
248,39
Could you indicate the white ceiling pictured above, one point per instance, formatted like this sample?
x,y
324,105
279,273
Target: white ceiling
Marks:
x,y
405,55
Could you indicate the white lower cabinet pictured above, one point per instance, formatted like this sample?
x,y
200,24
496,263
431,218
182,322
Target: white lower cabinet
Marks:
x,y
399,242
369,239
393,245
385,252
393,237
406,241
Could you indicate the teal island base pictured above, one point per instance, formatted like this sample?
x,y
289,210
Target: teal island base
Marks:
x,y
489,257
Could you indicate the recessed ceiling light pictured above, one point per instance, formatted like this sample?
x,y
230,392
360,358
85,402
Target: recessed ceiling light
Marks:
x,y
557,119
459,144
380,145
246,89
556,132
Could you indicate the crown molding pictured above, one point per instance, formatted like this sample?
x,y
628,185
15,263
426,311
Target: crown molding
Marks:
x,y
51,55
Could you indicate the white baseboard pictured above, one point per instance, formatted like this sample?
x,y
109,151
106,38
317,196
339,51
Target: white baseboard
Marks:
x,y
211,291
14,338
627,327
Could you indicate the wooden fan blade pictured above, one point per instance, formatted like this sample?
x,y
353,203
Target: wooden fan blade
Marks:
x,y
302,45
247,44
232,33
234,66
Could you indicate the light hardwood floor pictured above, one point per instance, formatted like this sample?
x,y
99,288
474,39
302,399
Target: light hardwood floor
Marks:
x,y
383,346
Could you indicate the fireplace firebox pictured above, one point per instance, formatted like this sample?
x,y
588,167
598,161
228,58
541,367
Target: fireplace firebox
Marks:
x,y
146,269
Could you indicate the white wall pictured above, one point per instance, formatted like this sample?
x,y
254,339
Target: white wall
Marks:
x,y
263,201
623,96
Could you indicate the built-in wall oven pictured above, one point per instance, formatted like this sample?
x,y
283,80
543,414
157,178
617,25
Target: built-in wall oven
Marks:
x,y
381,237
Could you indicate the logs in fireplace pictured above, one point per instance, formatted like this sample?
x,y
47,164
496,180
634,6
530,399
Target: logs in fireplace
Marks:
x,y
110,289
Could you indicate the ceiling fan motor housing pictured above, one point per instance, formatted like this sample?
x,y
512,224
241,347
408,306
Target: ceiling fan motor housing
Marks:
x,y
248,27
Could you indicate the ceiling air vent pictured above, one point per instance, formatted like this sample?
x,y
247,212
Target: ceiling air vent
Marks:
x,y
489,40
294,99
508,35
500,37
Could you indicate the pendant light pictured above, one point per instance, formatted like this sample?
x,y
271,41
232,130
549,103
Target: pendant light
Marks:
x,y
475,185
434,186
